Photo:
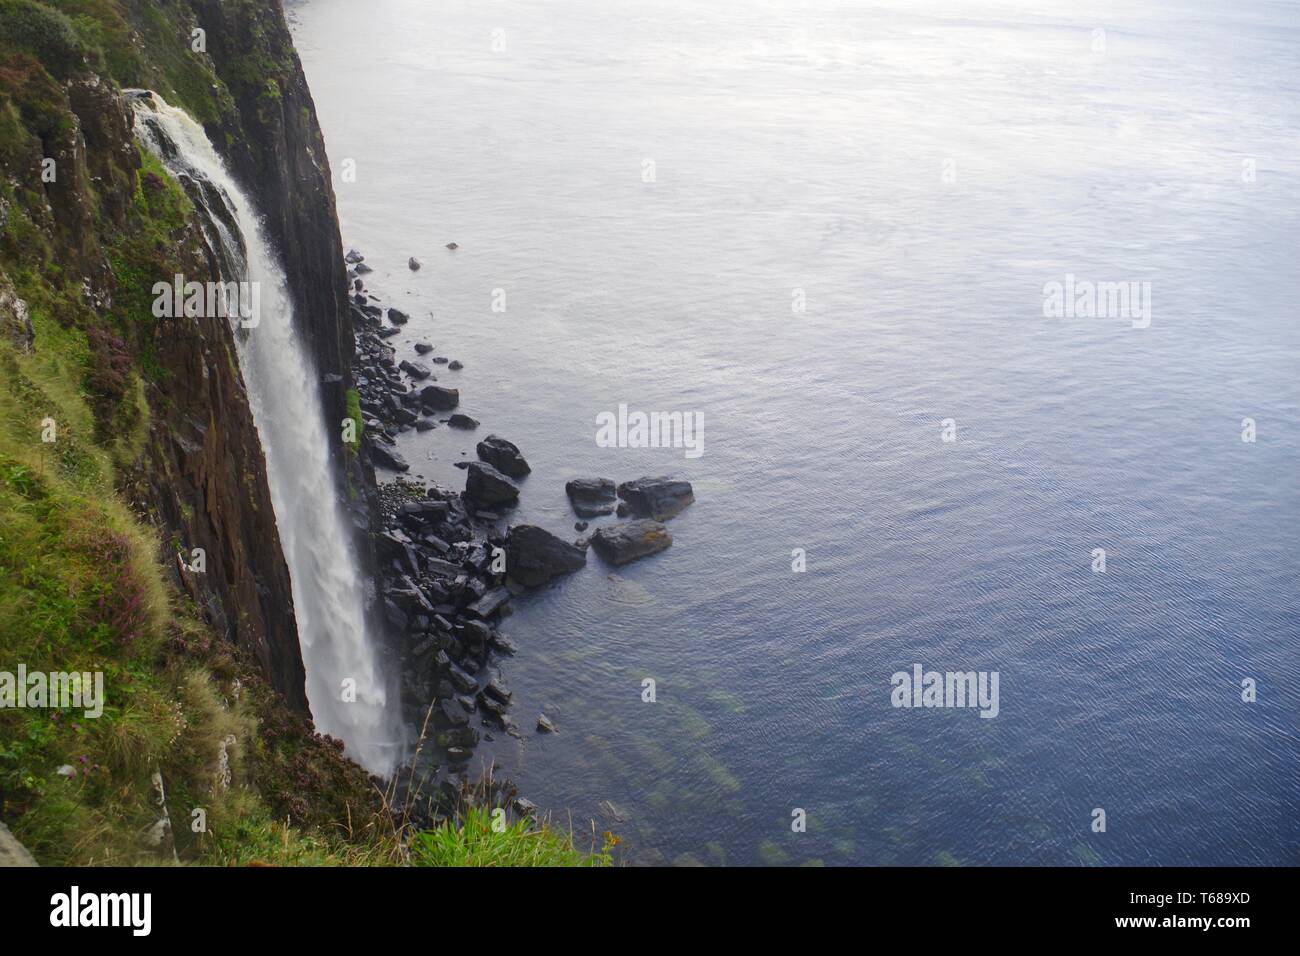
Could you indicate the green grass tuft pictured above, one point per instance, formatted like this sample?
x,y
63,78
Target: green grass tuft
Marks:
x,y
486,838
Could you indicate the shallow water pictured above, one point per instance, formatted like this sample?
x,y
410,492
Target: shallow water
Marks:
x,y
919,170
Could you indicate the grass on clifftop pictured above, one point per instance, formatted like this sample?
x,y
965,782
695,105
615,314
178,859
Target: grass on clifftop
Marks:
x,y
484,838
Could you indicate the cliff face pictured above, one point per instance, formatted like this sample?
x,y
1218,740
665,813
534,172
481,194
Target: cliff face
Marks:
x,y
81,250
273,144
127,442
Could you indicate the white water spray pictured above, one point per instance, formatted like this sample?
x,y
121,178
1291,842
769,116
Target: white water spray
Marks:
x,y
285,400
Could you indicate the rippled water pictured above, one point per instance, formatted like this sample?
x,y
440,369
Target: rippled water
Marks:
x,y
919,170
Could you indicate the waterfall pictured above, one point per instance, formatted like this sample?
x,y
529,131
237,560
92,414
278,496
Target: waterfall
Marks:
x,y
284,395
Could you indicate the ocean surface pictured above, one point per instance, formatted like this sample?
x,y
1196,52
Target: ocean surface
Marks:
x,y
827,228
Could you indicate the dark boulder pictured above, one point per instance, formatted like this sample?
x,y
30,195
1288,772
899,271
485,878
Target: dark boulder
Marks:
x,y
484,485
621,543
503,455
416,370
386,457
398,317
438,398
453,713
490,603
535,556
658,498
462,421
591,497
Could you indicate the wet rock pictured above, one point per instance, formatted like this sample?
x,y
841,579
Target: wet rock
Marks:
x,y
455,365
386,457
423,348
453,713
398,317
657,498
495,600
452,245
437,398
580,526
461,681
622,543
496,690
416,370
591,497
462,421
424,425
362,268
413,264
544,724
394,615
425,510
503,455
484,485
535,556
353,257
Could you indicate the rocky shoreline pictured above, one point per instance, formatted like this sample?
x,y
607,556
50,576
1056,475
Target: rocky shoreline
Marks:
x,y
446,569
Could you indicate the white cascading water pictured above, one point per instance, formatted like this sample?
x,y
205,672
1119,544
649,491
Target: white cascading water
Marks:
x,y
285,400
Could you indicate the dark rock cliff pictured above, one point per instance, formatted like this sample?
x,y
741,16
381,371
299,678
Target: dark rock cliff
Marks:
x,y
82,245
273,144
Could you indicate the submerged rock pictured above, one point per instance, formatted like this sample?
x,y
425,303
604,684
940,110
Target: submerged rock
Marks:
x,y
591,497
544,724
622,543
484,485
503,455
658,498
535,556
